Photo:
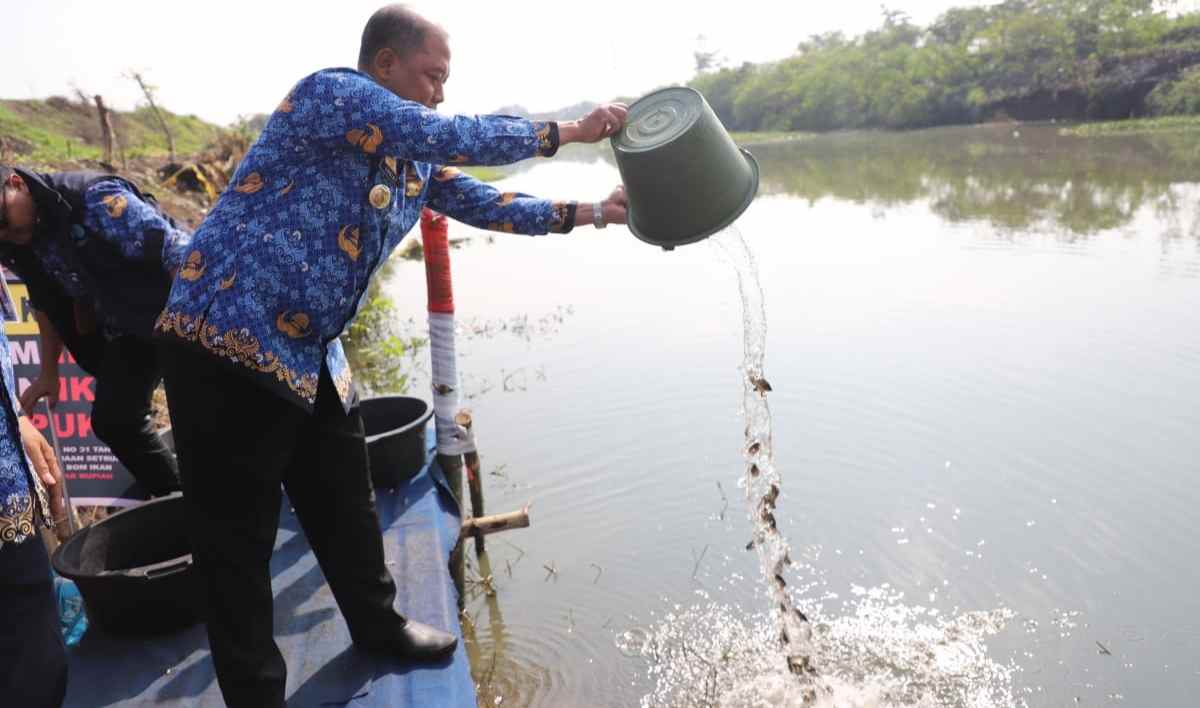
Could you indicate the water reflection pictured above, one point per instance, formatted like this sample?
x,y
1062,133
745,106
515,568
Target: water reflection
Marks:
x,y
1014,177
975,414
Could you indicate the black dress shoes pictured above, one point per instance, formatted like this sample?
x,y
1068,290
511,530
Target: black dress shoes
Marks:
x,y
416,641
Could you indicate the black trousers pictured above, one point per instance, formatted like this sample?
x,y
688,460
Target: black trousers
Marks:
x,y
33,659
237,442
122,417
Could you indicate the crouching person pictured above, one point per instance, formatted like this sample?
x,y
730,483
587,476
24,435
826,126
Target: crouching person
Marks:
x,y
97,256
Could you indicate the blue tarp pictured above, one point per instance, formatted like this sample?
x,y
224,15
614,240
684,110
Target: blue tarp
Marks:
x,y
420,524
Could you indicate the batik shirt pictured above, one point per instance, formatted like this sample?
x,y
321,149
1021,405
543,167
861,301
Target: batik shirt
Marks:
x,y
120,217
18,489
337,178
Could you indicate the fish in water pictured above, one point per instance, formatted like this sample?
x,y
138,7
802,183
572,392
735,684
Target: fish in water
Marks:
x,y
760,384
799,665
772,495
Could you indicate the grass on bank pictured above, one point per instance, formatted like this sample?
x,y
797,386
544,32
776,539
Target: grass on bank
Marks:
x,y
486,174
1135,126
58,130
768,136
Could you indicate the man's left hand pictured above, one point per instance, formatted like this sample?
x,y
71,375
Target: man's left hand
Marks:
x,y
45,466
616,207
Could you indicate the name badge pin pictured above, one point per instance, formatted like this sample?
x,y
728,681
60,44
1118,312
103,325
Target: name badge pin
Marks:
x,y
380,196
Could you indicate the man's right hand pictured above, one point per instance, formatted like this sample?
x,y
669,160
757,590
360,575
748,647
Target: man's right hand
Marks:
x,y
44,386
603,121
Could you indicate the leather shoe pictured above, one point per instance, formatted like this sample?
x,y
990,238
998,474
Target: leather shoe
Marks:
x,y
418,642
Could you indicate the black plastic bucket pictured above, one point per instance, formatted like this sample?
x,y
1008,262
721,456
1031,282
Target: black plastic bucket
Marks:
x,y
395,427
134,569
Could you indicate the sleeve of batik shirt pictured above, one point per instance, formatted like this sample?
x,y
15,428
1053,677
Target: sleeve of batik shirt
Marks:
x,y
6,370
462,197
12,452
137,229
348,110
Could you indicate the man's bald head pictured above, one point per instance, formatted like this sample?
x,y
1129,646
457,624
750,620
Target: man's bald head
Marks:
x,y
394,27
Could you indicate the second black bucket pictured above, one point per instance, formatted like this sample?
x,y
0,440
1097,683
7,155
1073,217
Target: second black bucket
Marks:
x,y
134,569
395,427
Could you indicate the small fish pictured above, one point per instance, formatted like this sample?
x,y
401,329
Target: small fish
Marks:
x,y
780,581
1103,649
760,384
800,615
798,665
772,495
783,637
750,545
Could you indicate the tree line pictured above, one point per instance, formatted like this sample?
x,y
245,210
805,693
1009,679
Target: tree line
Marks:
x,y
1024,59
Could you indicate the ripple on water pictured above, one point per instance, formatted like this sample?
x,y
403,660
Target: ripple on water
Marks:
x,y
518,665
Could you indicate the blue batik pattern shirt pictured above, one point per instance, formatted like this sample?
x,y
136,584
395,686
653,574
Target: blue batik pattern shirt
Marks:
x,y
118,216
17,486
337,178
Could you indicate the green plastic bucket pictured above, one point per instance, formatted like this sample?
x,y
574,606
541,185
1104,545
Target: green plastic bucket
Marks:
x,y
684,176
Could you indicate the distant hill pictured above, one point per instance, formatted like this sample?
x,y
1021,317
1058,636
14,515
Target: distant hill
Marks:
x,y
572,112
569,113
57,129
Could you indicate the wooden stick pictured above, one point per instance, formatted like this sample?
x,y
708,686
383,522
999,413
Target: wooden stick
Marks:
x,y
452,467
483,525
106,128
474,479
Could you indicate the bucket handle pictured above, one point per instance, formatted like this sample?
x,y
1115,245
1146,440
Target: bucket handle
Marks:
x,y
168,568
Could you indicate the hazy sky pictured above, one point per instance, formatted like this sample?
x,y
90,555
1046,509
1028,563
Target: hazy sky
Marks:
x,y
222,58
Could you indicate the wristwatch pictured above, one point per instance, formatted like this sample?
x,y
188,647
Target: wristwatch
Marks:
x,y
598,215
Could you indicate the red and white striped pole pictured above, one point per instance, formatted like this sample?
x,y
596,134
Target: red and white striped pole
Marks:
x,y
455,438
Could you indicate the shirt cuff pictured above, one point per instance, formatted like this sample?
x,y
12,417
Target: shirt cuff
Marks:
x,y
547,135
563,217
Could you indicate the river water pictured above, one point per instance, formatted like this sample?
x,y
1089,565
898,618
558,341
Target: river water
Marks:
x,y
984,354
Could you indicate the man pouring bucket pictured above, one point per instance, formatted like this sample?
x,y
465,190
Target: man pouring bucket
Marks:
x,y
259,387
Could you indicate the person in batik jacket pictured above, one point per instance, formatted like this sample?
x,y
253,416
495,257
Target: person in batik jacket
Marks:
x,y
258,383
33,662
96,255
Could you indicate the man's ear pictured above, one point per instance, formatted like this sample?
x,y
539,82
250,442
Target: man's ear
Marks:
x,y
14,180
385,62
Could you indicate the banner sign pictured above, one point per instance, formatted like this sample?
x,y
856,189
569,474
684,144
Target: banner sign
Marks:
x,y
94,476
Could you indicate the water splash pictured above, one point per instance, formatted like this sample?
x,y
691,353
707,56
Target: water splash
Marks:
x,y
762,481
872,652
876,653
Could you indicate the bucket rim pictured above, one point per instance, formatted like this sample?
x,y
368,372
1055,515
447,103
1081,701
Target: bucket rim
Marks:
x,y
60,567
746,201
420,420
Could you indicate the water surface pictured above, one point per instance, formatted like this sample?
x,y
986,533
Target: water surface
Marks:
x,y
984,345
